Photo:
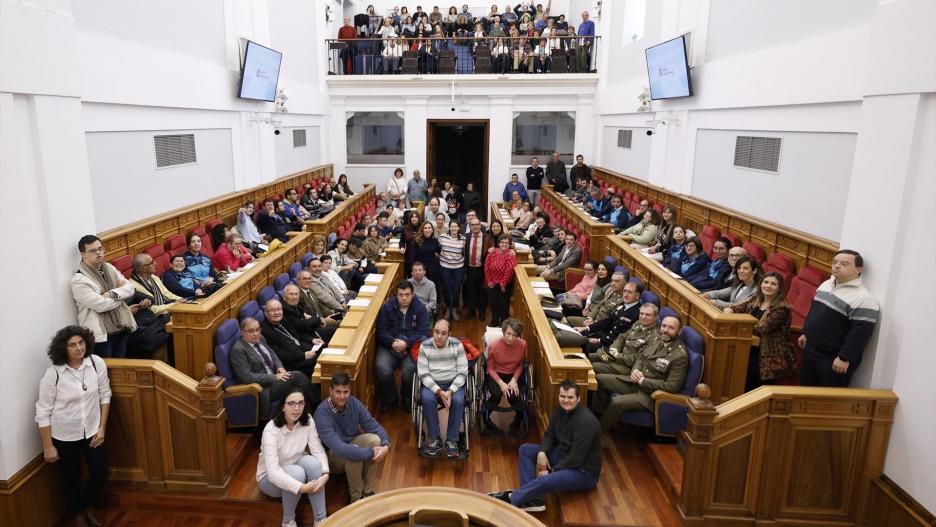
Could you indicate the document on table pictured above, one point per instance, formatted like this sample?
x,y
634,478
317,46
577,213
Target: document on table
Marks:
x,y
333,351
359,302
563,327
373,278
368,289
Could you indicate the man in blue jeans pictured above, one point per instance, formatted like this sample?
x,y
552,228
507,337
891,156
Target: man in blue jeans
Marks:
x,y
568,459
443,372
402,321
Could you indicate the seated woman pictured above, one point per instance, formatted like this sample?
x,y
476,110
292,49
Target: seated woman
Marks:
x,y
576,297
342,190
219,234
664,235
693,259
248,229
374,244
644,232
747,274
318,246
181,282
676,247
522,223
284,470
773,357
231,255
346,268
199,264
357,254
505,357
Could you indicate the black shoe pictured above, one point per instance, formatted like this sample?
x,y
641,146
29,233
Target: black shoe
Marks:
x,y
503,495
535,505
514,430
493,429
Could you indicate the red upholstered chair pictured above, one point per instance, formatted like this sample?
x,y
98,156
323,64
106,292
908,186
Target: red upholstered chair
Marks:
x,y
155,250
124,264
812,275
212,224
162,263
573,276
628,195
755,251
782,264
709,234
733,238
175,244
658,207
800,297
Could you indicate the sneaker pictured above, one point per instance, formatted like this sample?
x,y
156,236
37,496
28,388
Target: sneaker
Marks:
x,y
451,449
502,495
536,505
433,447
291,523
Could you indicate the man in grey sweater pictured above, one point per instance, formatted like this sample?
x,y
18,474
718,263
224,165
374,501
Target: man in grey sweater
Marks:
x,y
424,288
443,371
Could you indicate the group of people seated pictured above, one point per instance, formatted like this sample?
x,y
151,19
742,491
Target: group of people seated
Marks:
x,y
457,266
519,39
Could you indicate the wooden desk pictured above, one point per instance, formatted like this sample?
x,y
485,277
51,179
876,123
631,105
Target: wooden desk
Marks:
x,y
392,508
694,213
343,211
727,337
193,325
358,341
547,359
595,230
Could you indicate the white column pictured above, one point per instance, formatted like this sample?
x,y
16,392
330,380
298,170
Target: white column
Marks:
x,y
414,135
585,143
500,146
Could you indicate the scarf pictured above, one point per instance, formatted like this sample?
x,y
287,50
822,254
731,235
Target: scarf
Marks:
x,y
119,318
150,285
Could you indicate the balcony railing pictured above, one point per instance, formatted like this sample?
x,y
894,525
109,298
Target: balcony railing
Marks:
x,y
461,55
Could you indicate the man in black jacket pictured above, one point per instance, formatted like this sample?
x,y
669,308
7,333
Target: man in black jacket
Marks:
x,y
556,174
568,459
292,347
310,325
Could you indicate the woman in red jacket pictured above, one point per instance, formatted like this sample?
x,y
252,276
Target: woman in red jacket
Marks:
x,y
498,278
232,255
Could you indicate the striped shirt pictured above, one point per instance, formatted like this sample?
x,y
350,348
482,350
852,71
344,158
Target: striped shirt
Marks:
x,y
841,319
452,255
448,364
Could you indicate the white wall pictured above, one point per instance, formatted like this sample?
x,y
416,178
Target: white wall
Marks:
x,y
290,159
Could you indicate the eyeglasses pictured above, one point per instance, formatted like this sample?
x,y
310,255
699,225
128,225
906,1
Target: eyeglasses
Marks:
x,y
253,330
295,404
95,251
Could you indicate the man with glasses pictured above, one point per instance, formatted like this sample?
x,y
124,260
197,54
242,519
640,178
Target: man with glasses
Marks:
x,y
475,254
100,291
253,361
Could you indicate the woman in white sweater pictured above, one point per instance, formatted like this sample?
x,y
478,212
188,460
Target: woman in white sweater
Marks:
x,y
643,233
284,470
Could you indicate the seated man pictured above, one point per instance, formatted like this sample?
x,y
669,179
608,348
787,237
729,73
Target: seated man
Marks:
x,y
150,307
332,276
602,332
599,311
716,273
330,298
270,223
661,366
620,355
254,362
597,204
568,459
311,305
549,246
293,348
638,216
443,372
423,288
145,281
355,440
309,325
617,215
401,322
568,256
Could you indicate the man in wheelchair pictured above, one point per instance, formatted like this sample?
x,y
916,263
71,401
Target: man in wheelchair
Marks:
x,y
443,373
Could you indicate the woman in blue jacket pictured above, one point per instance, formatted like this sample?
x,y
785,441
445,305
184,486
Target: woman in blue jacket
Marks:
x,y
693,259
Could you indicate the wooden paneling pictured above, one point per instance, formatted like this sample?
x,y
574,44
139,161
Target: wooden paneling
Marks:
x,y
595,230
790,455
694,213
891,506
30,496
133,238
342,213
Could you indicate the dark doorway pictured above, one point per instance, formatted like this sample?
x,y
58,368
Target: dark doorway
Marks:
x,y
457,151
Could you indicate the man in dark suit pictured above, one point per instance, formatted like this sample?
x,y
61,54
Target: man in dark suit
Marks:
x,y
311,305
253,361
310,325
607,328
475,254
294,349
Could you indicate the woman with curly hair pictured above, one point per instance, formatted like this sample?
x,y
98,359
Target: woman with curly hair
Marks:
x,y
74,401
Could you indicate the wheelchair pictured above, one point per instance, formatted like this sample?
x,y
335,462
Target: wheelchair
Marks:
x,y
468,416
525,384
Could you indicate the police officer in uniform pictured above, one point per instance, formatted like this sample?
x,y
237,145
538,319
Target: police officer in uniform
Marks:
x,y
662,366
619,357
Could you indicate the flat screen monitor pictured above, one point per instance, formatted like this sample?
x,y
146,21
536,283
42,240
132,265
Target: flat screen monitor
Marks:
x,y
668,69
260,73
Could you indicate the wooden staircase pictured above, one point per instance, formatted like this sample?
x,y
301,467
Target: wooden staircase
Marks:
x,y
668,461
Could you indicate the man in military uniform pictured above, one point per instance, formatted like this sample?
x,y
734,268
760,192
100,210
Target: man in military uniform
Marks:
x,y
661,366
619,357
603,332
601,311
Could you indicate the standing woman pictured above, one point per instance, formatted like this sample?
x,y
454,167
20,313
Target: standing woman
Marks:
x,y
452,261
498,277
773,357
284,470
425,248
74,400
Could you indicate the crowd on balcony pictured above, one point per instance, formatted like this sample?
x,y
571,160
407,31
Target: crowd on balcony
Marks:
x,y
520,39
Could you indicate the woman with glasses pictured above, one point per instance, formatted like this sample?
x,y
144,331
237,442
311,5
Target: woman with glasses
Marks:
x,y
577,296
284,470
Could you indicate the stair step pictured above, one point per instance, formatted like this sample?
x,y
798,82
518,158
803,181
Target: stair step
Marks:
x,y
668,461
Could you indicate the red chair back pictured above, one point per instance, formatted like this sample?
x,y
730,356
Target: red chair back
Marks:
x,y
124,264
175,244
755,251
709,234
800,297
733,238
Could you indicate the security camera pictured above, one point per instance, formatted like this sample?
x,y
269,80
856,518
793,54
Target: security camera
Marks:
x,y
276,131
649,132
453,108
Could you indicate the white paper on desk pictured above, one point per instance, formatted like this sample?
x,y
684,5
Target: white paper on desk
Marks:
x,y
359,302
317,347
562,327
333,351
542,291
249,266
521,247
232,276
368,289
373,278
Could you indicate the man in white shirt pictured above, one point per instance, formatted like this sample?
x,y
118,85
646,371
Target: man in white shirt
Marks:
x,y
392,54
334,279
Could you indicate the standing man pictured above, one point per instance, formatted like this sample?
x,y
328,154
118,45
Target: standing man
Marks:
x,y
534,177
443,372
661,366
568,459
556,174
416,189
346,32
355,440
586,30
402,321
475,255
839,325
580,171
99,291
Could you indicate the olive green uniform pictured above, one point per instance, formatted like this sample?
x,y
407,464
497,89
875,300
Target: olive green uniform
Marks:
x,y
625,348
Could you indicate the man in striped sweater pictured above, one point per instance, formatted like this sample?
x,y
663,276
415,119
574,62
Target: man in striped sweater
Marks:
x,y
840,323
443,371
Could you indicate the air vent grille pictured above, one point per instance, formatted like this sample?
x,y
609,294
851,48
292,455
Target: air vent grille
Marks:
x,y
759,153
172,150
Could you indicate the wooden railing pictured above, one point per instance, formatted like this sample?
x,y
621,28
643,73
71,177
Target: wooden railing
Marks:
x,y
499,212
193,325
595,230
784,455
694,213
727,337
356,336
547,360
132,239
345,209
166,429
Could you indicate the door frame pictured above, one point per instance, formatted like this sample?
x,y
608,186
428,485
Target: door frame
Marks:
x,y
430,153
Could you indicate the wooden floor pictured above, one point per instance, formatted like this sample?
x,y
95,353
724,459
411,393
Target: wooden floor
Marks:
x,y
629,493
